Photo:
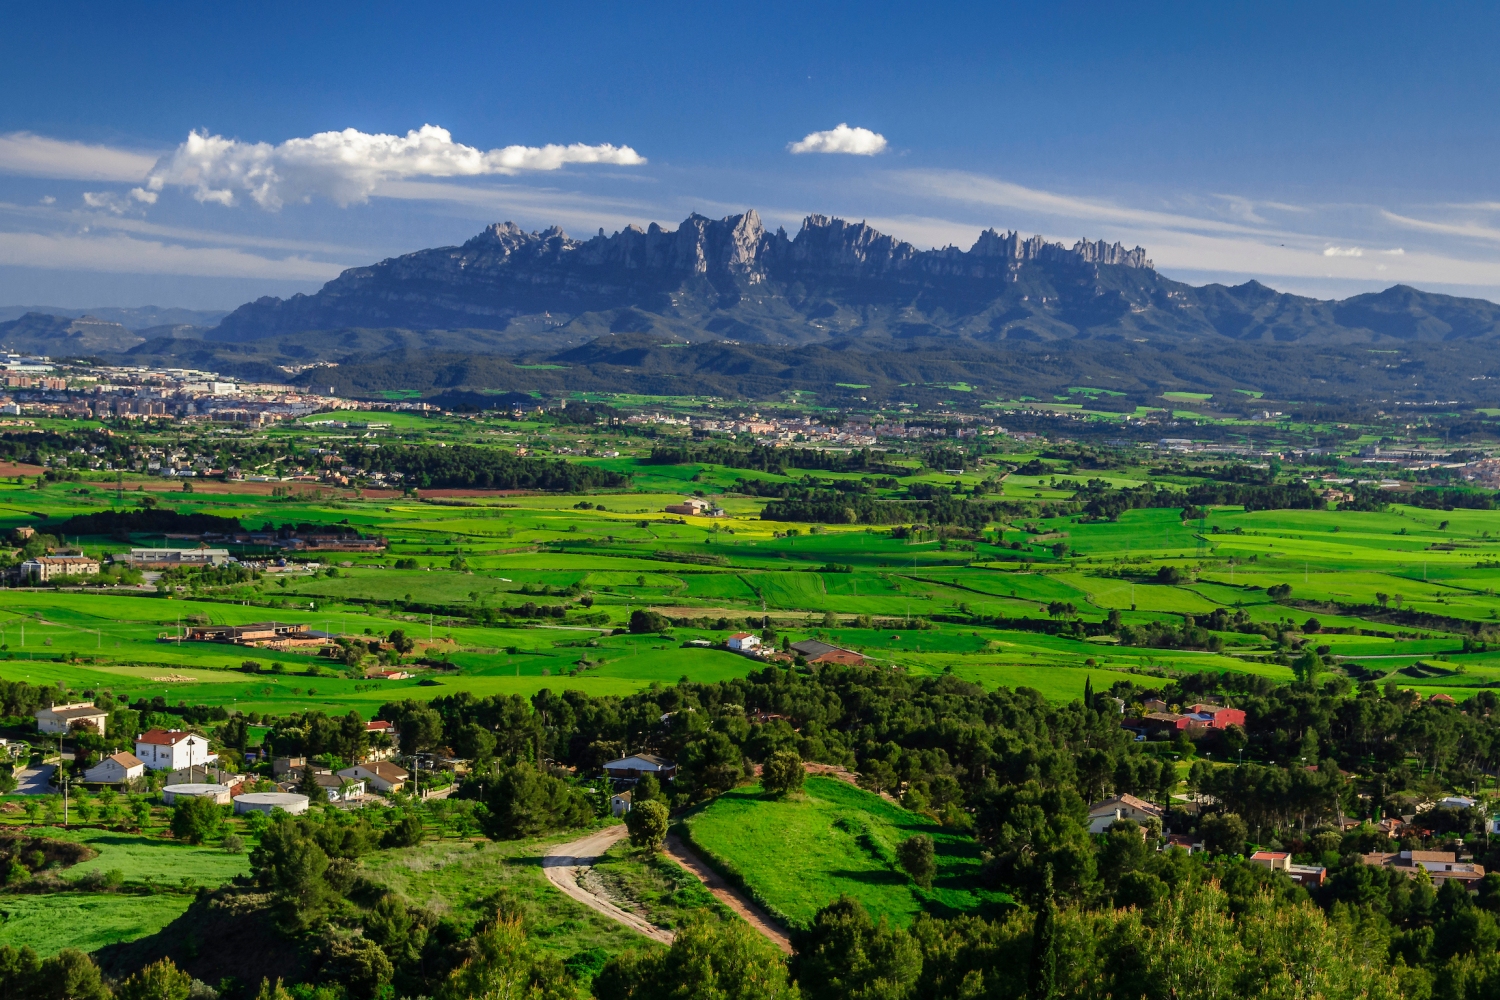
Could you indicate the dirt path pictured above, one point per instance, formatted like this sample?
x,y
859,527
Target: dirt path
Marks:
x,y
727,894
568,866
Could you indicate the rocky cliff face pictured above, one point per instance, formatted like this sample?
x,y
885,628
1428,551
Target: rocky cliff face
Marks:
x,y
731,279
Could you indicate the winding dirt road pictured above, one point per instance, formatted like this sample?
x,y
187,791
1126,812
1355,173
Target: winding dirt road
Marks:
x,y
726,893
568,867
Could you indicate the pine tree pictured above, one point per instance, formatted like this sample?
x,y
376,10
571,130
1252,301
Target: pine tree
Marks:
x,y
308,785
1042,982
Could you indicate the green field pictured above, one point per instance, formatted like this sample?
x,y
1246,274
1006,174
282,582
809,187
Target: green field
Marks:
x,y
49,922
798,854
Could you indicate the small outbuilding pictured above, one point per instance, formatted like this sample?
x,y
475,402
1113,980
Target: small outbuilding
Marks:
x,y
268,802
619,805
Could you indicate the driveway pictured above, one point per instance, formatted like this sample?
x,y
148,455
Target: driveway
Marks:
x,y
36,781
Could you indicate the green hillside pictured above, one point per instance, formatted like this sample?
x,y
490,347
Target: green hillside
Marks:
x,y
795,855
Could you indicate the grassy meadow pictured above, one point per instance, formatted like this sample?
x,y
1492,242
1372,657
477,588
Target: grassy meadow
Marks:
x,y
798,853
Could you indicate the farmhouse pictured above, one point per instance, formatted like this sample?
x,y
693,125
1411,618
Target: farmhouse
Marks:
x,y
64,718
1217,716
381,775
45,568
116,769
744,642
636,766
815,651
1102,814
695,507
171,749
267,635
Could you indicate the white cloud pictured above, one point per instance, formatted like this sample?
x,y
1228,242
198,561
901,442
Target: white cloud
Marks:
x,y
346,167
38,156
852,141
1343,252
121,254
47,199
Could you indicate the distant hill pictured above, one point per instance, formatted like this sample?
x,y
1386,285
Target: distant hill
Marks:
x,y
731,279
130,317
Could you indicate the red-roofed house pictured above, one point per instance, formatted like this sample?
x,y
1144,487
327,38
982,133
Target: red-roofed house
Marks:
x,y
1102,814
171,749
1220,717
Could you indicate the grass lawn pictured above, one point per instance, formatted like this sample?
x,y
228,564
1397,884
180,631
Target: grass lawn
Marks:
x,y
85,920
152,859
800,853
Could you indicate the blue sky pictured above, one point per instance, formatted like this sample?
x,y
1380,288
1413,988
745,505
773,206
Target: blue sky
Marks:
x,y
1320,148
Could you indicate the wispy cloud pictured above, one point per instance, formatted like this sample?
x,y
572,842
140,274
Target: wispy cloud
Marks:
x,y
840,139
121,254
32,155
346,167
976,189
1471,229
1343,252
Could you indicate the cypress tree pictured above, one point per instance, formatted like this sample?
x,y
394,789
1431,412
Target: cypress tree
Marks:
x,y
1042,981
1088,691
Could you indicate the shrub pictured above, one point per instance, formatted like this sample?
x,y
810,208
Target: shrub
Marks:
x,y
918,860
158,981
782,773
233,844
196,819
647,823
407,831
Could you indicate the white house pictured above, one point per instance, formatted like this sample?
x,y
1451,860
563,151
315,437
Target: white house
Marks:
x,y
638,765
334,787
116,769
60,718
382,775
171,749
1102,814
619,805
744,642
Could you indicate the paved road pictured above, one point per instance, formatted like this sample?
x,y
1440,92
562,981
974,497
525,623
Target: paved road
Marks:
x,y
567,867
35,781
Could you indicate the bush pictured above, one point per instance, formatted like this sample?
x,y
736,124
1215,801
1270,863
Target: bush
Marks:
x,y
647,823
709,958
782,773
158,981
196,819
918,860
644,621
407,831
233,844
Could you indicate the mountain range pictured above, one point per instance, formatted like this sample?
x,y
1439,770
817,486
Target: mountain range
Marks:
x,y
728,307
732,279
